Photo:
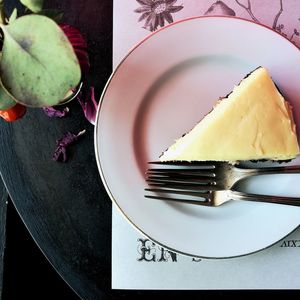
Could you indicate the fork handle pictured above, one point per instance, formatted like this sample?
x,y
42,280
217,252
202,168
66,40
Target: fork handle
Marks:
x,y
235,195
275,170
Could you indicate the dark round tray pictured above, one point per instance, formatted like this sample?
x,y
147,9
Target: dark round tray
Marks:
x,y
65,206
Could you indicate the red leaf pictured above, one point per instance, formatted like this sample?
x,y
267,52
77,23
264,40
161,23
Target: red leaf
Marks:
x,y
79,44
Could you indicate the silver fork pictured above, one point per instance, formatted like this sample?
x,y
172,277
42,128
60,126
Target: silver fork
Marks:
x,y
216,198
209,183
201,175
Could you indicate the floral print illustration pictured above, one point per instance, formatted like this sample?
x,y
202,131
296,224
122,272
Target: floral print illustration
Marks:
x,y
276,25
219,8
248,8
156,13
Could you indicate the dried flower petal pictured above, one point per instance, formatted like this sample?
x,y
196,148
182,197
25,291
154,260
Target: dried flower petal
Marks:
x,y
62,144
89,105
55,113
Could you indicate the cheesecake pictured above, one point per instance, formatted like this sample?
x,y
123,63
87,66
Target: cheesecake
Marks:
x,y
253,122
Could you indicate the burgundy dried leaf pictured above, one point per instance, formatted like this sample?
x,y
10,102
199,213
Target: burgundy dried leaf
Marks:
x,y
79,44
62,144
89,105
55,113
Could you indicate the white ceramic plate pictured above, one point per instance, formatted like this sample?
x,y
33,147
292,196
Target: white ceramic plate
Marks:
x,y
161,89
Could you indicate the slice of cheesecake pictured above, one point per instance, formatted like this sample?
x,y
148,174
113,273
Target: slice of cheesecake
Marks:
x,y
253,122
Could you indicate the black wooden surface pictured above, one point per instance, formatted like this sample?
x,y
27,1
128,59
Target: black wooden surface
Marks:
x,y
27,272
65,206
3,208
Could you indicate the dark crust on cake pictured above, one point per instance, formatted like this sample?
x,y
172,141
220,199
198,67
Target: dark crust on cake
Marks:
x,y
195,162
283,161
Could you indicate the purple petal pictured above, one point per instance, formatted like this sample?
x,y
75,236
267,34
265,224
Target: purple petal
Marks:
x,y
161,20
60,153
55,113
142,9
168,17
149,19
89,105
174,9
171,2
155,23
151,28
144,2
143,16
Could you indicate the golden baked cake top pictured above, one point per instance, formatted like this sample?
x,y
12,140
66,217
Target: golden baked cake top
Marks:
x,y
253,122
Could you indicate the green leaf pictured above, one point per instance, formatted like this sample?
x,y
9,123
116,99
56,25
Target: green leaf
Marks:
x,y
38,65
6,101
33,5
13,16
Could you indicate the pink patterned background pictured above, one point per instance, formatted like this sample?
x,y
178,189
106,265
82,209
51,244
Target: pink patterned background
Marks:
x,y
133,21
281,15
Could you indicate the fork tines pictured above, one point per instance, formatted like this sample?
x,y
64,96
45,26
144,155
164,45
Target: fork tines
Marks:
x,y
182,182
203,164
184,176
202,197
